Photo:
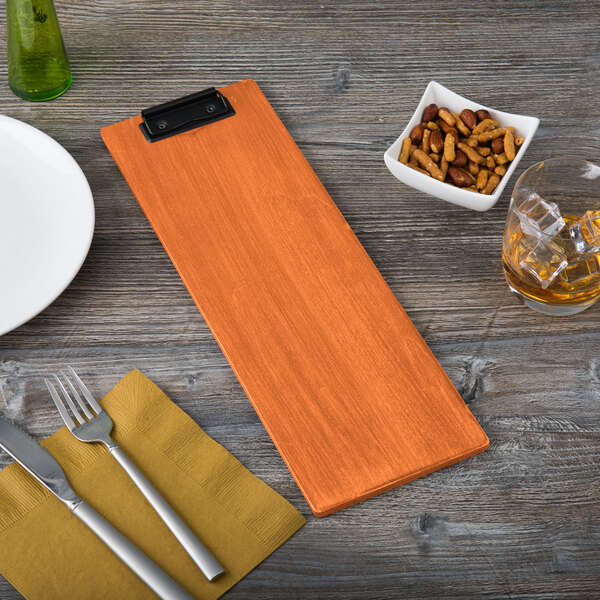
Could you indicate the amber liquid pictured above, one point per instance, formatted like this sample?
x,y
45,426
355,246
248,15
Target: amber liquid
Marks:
x,y
578,282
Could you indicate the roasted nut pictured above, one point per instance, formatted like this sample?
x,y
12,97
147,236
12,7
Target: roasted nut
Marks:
x,y
426,134
459,177
482,178
444,114
482,114
497,146
416,135
430,113
467,148
486,136
481,127
448,129
472,155
473,168
449,150
493,181
425,161
468,117
509,146
460,160
460,125
436,141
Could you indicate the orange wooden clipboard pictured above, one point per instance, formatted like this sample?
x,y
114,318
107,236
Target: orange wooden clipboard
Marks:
x,y
347,389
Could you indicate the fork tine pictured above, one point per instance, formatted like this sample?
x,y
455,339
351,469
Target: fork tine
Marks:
x,y
78,399
66,396
86,393
64,413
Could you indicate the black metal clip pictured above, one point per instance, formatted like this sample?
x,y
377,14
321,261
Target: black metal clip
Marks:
x,y
183,114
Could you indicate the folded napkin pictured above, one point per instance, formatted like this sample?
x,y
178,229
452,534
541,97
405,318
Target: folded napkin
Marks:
x,y
47,553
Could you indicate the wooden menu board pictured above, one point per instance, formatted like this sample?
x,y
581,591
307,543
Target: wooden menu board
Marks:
x,y
347,389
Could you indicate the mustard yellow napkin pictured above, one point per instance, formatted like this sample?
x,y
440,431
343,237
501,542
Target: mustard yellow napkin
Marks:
x,y
47,554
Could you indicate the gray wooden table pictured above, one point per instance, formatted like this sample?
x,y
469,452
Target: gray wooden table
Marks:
x,y
520,520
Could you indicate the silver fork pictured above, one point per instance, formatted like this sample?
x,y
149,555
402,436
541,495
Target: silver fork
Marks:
x,y
96,427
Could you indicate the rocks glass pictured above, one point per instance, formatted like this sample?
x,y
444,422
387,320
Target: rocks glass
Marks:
x,y
551,249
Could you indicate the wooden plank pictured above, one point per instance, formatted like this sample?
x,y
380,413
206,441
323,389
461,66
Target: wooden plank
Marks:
x,y
344,77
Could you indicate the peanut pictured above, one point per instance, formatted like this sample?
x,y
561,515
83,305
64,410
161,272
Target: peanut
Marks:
x,y
500,170
501,159
405,151
484,151
486,136
509,146
444,113
490,186
482,178
428,164
426,134
472,155
449,150
481,126
473,168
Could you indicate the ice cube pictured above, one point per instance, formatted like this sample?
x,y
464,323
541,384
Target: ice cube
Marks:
x,y
585,232
582,274
538,217
544,261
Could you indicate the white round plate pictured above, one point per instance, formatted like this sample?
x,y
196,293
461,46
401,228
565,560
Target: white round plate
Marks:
x,y
46,221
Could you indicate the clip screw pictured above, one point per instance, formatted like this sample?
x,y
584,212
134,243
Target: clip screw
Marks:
x,y
162,124
210,108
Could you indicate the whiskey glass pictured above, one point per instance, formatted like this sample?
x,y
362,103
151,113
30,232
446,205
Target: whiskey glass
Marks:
x,y
551,246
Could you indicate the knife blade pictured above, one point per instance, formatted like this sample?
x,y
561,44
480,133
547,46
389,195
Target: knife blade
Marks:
x,y
37,460
43,466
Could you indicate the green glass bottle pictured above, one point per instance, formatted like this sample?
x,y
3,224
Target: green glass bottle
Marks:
x,y
38,67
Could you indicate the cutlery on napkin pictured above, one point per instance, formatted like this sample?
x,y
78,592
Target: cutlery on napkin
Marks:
x,y
48,555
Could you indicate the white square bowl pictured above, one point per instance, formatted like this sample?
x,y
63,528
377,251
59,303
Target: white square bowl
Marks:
x,y
435,93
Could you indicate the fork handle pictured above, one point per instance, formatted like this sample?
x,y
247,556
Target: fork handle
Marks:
x,y
192,545
150,573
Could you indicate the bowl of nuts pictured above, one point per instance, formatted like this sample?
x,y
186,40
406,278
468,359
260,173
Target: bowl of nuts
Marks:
x,y
458,150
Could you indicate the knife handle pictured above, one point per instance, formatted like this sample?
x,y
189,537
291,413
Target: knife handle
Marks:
x,y
192,545
150,573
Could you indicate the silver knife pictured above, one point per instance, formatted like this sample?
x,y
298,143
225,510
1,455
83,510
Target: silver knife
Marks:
x,y
42,465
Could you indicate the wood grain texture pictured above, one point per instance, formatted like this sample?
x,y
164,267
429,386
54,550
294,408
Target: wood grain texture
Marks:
x,y
518,521
350,394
